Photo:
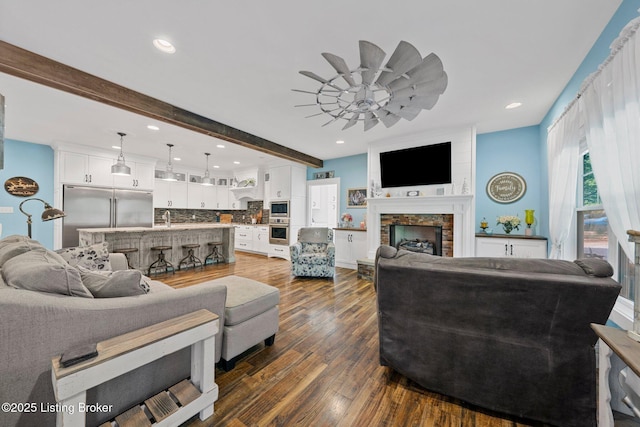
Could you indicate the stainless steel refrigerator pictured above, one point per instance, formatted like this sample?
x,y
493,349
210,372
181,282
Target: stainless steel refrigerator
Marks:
x,y
91,207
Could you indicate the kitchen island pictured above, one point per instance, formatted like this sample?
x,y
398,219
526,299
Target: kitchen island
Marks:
x,y
144,238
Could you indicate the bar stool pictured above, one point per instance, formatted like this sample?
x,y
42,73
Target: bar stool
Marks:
x,y
126,252
161,262
216,254
190,258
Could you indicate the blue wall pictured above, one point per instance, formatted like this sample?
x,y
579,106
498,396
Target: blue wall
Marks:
x,y
33,161
515,150
352,172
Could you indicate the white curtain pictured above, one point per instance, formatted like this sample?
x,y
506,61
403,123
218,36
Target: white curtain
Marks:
x,y
563,145
610,103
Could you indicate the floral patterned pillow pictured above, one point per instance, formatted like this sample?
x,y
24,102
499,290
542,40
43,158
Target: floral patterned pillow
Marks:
x,y
94,257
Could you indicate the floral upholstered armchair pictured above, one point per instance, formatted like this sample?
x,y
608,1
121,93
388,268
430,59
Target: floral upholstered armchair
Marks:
x,y
313,255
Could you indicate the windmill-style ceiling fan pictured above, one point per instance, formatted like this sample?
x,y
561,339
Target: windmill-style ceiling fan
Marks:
x,y
406,85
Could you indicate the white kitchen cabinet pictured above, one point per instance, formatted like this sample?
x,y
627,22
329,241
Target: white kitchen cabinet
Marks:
x,y
235,203
351,245
170,194
511,246
252,238
244,237
286,182
279,251
222,193
141,178
76,168
201,196
261,239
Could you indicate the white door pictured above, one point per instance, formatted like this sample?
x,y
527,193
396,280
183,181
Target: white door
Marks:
x,y
323,203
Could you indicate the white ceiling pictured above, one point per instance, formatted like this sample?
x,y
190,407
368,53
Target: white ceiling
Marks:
x,y
236,63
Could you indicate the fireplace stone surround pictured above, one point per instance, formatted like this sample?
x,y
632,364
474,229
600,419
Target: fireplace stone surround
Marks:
x,y
453,212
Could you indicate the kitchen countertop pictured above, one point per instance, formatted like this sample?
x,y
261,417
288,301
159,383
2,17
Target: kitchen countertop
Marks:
x,y
159,228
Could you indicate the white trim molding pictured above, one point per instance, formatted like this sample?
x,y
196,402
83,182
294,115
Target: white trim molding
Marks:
x,y
461,206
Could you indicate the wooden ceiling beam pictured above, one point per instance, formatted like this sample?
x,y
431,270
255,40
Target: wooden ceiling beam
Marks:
x,y
39,69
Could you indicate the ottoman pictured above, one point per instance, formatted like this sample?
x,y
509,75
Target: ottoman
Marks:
x,y
251,315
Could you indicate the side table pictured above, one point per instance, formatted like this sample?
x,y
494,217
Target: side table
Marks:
x,y
612,340
124,353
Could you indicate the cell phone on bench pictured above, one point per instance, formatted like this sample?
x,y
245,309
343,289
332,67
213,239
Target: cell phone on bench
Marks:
x,y
78,354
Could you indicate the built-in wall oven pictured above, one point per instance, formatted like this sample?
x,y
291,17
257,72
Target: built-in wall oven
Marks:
x,y
279,209
279,231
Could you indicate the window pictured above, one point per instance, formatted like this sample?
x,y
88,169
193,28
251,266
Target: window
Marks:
x,y
593,226
595,240
590,195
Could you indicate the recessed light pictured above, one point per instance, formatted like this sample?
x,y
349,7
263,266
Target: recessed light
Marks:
x,y
177,159
220,146
164,46
115,147
216,167
236,162
513,105
153,127
339,141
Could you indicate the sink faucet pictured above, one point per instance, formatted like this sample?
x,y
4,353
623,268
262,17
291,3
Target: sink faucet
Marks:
x,y
167,218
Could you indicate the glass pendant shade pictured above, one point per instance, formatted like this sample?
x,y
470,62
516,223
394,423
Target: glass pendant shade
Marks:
x,y
207,180
121,168
169,175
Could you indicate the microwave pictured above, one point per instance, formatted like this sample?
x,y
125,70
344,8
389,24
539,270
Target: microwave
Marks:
x,y
279,209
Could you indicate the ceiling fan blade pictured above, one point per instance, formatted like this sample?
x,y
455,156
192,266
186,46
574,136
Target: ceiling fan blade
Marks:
x,y
429,69
305,91
404,58
340,66
424,102
409,113
370,120
399,83
431,87
314,76
387,118
371,57
352,121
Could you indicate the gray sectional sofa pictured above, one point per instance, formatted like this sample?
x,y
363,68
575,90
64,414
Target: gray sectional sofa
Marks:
x,y
45,311
509,335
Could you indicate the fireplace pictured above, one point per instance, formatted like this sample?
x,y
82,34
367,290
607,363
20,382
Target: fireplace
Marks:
x,y
434,228
417,238
454,213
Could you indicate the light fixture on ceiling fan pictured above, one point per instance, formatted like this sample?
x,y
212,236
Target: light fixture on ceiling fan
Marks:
x,y
169,174
207,180
406,85
120,168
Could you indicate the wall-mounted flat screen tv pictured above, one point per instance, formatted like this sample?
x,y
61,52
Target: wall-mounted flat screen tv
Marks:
x,y
426,165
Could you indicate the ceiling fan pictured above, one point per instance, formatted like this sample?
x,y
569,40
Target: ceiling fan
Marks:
x,y
406,85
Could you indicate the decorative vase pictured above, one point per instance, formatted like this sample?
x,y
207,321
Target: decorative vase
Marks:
x,y
529,219
508,228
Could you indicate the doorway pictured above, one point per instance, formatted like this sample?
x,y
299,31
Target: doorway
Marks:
x,y
324,203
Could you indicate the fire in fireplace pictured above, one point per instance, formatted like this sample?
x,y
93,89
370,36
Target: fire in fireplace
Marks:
x,y
417,238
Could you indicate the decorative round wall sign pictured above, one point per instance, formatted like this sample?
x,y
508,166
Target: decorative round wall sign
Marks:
x,y
21,186
506,187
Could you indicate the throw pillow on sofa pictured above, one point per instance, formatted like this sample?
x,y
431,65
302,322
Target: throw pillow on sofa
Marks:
x,y
93,257
12,246
113,284
44,271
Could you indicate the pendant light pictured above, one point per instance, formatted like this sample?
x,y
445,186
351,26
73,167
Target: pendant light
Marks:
x,y
120,168
169,175
207,180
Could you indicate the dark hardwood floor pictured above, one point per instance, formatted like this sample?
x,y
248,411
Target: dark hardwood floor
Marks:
x,y
323,369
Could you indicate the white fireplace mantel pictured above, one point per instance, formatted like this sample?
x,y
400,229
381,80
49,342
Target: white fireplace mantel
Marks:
x,y
461,206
